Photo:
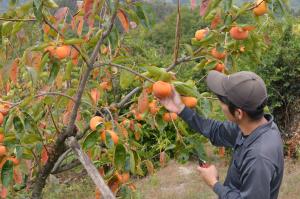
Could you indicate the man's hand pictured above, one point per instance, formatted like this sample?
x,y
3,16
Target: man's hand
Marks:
x,y
173,103
210,175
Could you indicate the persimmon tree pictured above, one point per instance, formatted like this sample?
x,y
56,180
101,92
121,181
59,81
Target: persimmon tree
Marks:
x,y
66,80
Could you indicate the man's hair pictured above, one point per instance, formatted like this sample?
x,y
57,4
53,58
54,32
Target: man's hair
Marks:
x,y
253,115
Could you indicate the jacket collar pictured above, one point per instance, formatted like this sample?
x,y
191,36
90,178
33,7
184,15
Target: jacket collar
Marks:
x,y
256,133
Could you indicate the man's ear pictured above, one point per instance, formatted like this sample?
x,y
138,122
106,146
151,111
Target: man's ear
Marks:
x,y
239,114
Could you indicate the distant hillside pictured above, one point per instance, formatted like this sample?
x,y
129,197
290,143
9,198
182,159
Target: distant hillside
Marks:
x,y
4,4
294,4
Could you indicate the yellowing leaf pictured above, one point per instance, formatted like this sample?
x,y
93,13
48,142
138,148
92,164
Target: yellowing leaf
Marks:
x,y
17,176
123,19
143,102
44,156
95,94
14,70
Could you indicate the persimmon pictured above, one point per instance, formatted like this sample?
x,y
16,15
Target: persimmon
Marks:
x,y
63,51
153,107
138,116
261,8
219,67
2,150
104,50
1,138
218,55
51,50
162,89
4,109
200,34
238,33
168,117
105,85
95,121
1,118
189,101
126,123
123,178
113,135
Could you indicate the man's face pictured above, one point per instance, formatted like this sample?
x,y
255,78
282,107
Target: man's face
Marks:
x,y
226,112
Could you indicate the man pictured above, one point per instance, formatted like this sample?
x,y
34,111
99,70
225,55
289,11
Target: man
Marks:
x,y
256,169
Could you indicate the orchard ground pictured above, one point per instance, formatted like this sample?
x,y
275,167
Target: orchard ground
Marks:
x,y
176,181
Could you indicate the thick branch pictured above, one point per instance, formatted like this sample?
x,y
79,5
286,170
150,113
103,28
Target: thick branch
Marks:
x,y
87,72
43,173
90,168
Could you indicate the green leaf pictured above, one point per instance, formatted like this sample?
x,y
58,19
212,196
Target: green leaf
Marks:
x,y
45,60
126,78
197,145
54,71
189,49
132,162
211,65
74,41
170,147
6,28
7,173
12,3
37,9
50,4
204,41
18,125
90,140
33,74
17,27
31,139
119,157
200,65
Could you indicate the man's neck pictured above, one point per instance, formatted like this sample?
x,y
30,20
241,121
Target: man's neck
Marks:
x,y
247,127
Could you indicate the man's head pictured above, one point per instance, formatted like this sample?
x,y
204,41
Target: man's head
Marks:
x,y
240,93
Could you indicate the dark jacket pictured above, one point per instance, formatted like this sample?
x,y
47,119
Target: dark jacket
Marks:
x,y
256,169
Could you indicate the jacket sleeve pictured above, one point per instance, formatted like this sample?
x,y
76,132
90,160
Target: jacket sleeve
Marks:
x,y
219,133
256,179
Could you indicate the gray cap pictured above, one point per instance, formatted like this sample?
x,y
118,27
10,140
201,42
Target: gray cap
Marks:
x,y
244,89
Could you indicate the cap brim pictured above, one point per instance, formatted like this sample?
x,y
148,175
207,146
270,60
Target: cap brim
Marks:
x,y
215,81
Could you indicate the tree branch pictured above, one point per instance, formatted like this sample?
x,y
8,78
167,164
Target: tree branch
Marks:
x,y
183,59
39,95
90,168
177,34
124,68
105,34
128,97
66,167
87,72
60,160
16,20
53,121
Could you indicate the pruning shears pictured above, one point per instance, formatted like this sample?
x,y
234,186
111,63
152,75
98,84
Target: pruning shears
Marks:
x,y
203,163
